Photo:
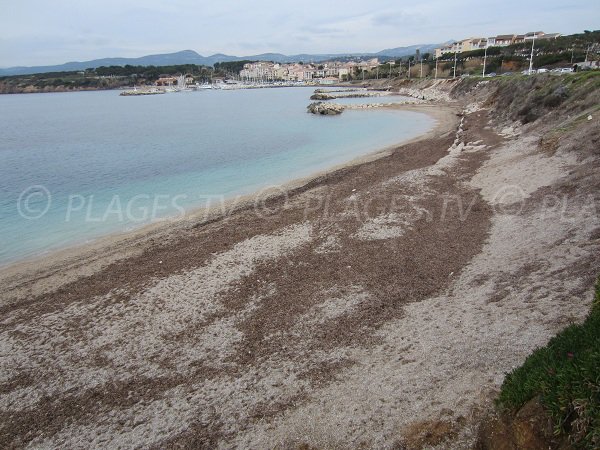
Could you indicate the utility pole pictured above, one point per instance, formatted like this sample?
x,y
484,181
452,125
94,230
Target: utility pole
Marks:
x,y
484,61
421,74
390,63
436,64
531,58
587,52
455,53
377,71
409,69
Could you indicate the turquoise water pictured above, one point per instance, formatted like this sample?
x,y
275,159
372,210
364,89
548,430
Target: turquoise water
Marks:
x,y
77,166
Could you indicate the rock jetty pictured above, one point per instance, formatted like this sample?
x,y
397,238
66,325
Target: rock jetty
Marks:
x,y
142,92
344,94
325,108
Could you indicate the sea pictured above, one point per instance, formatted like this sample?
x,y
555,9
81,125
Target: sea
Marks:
x,y
77,166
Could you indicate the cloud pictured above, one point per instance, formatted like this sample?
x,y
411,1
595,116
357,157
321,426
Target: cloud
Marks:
x,y
398,19
73,30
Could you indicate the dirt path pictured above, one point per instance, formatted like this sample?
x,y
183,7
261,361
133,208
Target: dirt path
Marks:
x,y
378,306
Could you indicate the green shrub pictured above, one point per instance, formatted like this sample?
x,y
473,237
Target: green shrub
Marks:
x,y
527,114
566,375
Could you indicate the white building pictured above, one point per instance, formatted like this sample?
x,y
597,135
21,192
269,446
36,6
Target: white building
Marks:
x,y
501,40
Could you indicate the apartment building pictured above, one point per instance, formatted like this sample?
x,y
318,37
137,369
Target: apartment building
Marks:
x,y
268,71
502,40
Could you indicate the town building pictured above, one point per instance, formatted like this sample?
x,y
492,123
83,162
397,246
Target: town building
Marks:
x,y
502,40
263,71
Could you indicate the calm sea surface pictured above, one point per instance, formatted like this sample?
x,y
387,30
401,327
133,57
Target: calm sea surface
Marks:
x,y
76,166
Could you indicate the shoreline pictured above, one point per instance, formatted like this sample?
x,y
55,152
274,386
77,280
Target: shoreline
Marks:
x,y
124,88
115,246
339,317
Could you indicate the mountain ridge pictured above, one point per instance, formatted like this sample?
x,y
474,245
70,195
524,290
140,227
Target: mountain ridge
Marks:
x,y
192,57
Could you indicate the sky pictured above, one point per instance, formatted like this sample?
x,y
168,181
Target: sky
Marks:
x,y
42,32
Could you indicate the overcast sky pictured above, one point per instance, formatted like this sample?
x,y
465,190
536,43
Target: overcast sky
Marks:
x,y
41,32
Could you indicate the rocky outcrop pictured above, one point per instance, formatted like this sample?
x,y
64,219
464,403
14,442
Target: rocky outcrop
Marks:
x,y
321,96
325,108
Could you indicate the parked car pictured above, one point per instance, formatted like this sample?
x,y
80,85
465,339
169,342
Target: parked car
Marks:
x,y
542,70
491,74
566,70
507,74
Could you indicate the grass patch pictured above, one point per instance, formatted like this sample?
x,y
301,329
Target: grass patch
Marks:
x,y
566,375
587,81
576,121
582,77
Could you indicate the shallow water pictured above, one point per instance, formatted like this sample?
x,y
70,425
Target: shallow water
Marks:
x,y
76,166
374,99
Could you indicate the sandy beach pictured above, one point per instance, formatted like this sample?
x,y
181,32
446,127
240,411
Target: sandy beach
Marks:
x,y
81,260
376,305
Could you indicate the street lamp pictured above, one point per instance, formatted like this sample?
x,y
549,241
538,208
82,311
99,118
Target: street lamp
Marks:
x,y
587,52
484,60
531,58
455,53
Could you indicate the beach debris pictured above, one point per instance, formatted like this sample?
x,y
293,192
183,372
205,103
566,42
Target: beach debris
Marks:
x,y
590,117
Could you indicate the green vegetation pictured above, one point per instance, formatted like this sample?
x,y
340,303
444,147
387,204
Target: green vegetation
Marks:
x,y
232,67
566,375
110,77
591,77
150,73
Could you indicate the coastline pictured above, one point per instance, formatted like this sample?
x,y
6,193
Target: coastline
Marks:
x,y
84,259
338,313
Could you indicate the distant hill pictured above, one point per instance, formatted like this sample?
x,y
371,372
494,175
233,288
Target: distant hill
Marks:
x,y
399,52
191,57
